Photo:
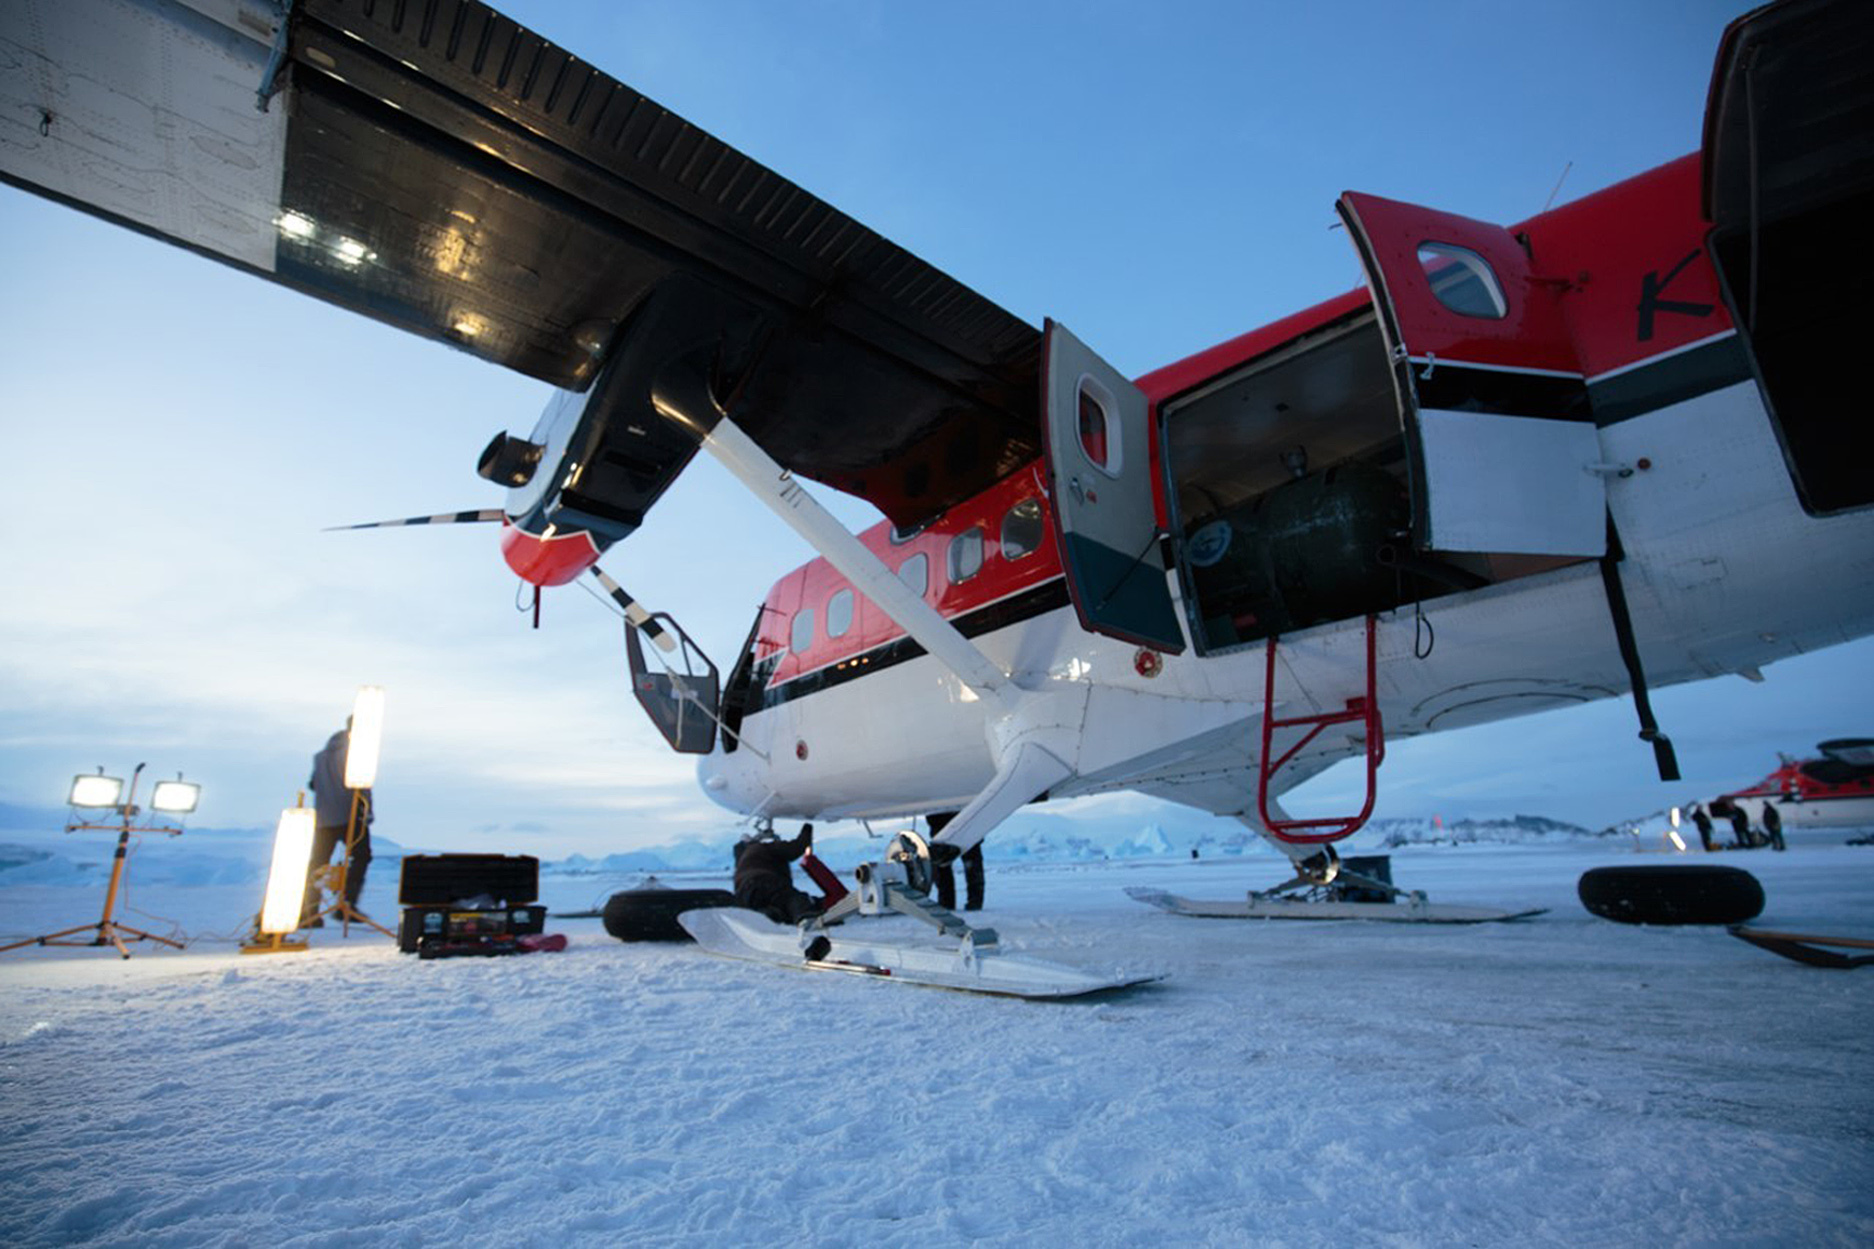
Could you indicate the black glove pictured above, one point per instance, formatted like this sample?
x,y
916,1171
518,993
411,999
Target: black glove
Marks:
x,y
806,834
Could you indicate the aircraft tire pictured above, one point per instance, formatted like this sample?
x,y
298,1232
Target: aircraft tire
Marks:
x,y
651,914
1678,893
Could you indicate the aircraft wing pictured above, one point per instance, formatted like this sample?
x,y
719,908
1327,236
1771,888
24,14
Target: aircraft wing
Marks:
x,y
434,165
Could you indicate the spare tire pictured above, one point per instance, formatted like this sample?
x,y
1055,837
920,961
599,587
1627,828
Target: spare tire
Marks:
x,y
1677,893
651,914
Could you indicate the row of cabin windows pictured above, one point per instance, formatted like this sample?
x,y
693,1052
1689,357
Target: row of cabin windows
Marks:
x,y
1020,538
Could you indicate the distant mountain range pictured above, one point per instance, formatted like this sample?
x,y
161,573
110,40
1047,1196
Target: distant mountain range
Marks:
x,y
32,856
1041,837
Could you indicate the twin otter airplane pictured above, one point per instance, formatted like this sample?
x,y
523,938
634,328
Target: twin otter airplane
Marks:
x,y
1585,455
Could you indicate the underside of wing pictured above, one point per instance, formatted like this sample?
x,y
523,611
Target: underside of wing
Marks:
x,y
433,165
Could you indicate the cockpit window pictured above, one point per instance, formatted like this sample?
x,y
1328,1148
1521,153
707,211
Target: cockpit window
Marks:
x,y
802,635
1463,281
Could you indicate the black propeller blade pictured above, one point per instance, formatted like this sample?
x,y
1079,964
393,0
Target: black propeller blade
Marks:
x,y
481,517
635,613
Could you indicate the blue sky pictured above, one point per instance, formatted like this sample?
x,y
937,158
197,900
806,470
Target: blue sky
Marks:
x,y
1157,177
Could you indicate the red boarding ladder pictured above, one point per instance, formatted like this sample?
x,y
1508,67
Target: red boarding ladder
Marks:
x,y
1364,710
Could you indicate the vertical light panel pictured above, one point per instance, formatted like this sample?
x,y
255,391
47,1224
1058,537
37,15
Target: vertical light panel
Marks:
x,y
286,879
367,737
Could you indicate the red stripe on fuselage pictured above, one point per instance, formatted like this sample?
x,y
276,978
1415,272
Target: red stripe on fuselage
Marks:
x,y
815,584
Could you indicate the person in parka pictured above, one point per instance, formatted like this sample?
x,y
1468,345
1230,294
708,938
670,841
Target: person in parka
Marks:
x,y
333,804
764,877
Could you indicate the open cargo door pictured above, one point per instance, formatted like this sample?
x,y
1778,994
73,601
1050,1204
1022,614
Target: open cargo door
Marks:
x,y
1100,474
1789,191
1502,453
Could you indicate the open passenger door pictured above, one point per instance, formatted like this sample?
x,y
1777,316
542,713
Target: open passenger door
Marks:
x,y
1503,454
1097,435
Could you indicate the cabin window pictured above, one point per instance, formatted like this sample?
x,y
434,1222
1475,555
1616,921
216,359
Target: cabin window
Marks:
x,y
802,636
899,536
1463,281
1099,427
1021,529
915,572
839,614
966,554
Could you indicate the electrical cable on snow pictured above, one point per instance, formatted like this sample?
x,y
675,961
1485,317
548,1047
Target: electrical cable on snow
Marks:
x,y
175,926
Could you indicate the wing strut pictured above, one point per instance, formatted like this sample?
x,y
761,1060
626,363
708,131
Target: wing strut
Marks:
x,y
694,408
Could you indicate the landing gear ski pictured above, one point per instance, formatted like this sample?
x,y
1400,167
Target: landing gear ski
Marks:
x,y
960,957
1324,887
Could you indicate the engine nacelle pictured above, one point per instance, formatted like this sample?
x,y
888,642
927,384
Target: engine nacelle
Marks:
x,y
597,460
548,559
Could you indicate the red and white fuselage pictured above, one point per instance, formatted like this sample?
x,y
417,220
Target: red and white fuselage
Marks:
x,y
1721,566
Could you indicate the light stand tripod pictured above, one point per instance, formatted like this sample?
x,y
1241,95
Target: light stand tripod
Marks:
x,y
342,906
107,931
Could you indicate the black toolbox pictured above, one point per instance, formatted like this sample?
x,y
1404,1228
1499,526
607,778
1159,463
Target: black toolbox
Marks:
x,y
457,904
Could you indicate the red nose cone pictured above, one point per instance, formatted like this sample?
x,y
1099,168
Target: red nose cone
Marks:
x,y
553,560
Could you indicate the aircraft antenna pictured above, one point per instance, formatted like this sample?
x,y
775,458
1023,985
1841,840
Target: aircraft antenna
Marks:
x,y
1558,185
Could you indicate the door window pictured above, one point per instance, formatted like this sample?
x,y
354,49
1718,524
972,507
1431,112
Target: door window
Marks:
x,y
1463,281
1099,432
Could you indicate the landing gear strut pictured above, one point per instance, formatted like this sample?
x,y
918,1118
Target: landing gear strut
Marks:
x,y
901,885
1322,877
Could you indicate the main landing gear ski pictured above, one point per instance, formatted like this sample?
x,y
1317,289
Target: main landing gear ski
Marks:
x,y
963,958
1325,888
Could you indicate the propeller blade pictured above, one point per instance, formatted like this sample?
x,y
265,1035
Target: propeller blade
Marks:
x,y
481,517
635,613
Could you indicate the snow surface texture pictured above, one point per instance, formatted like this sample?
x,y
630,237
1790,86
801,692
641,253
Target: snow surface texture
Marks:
x,y
1560,1081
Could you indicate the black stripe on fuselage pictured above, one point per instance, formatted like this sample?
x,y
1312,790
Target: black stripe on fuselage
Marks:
x,y
1464,388
1635,391
1672,379
1025,605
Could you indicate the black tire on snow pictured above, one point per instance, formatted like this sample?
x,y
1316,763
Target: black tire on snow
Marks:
x,y
651,914
1678,893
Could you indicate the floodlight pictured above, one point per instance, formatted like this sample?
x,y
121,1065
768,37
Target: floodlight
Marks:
x,y
99,791
96,791
177,796
367,736
286,879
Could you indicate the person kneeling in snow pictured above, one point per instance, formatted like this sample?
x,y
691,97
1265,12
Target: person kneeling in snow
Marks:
x,y
764,877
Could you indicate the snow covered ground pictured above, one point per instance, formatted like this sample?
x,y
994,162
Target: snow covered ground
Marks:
x,y
1560,1081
